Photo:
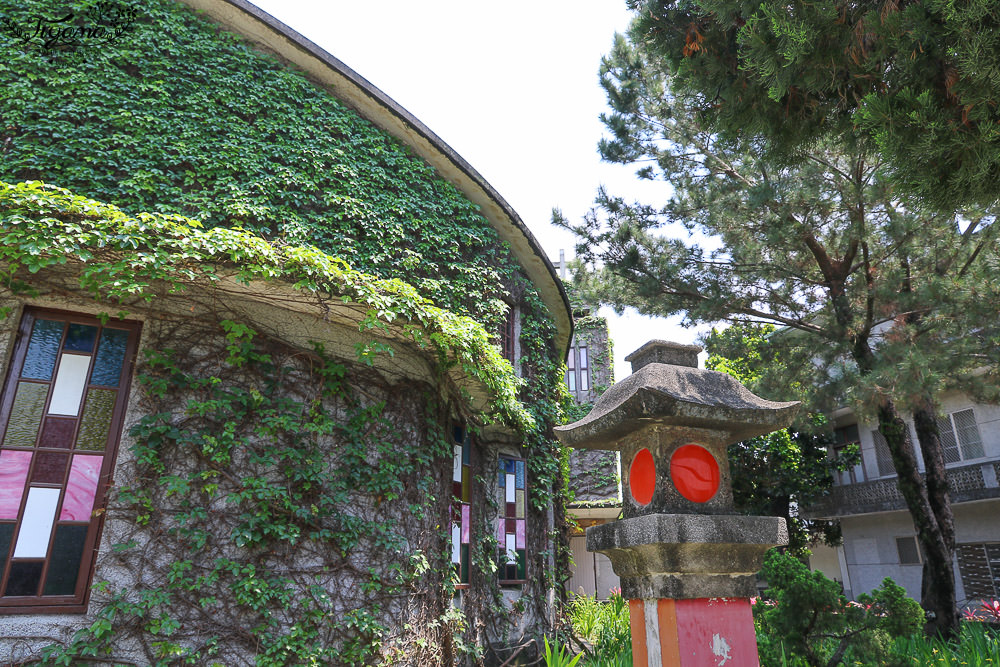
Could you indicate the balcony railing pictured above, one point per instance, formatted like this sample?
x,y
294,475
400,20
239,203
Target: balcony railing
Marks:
x,y
972,482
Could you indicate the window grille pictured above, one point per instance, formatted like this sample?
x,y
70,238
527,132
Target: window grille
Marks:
x,y
882,456
979,566
960,437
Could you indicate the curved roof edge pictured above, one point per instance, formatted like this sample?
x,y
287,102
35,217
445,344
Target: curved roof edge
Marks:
x,y
271,35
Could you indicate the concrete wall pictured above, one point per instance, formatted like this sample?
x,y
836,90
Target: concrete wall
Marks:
x,y
144,567
870,545
592,572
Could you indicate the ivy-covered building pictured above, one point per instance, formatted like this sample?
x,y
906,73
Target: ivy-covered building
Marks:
x,y
280,367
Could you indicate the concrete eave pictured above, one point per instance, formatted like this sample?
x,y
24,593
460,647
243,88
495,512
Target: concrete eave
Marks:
x,y
273,36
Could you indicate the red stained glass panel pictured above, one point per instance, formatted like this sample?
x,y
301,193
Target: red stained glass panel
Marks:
x,y
50,467
57,432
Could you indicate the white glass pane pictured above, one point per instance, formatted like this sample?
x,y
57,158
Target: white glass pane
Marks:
x,y
571,380
948,442
70,382
583,357
509,487
36,526
456,468
571,359
968,434
584,379
456,543
511,548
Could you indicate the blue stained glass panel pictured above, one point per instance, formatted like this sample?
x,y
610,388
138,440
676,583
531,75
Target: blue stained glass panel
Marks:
x,y
43,348
80,338
502,476
520,475
466,452
510,465
110,355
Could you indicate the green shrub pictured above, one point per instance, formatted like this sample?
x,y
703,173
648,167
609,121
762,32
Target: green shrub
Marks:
x,y
811,622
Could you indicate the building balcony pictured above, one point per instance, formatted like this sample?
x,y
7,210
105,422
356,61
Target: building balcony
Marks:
x,y
966,483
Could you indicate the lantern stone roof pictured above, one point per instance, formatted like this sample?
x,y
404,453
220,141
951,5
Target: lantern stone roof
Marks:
x,y
660,393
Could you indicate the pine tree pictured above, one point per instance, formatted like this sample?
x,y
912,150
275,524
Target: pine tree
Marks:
x,y
877,295
917,80
780,473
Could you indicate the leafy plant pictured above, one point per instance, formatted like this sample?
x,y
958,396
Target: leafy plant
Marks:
x,y
604,625
558,656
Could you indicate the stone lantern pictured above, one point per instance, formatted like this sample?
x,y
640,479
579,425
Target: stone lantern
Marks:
x,y
687,561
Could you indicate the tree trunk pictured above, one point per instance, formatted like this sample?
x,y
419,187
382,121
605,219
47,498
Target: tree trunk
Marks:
x,y
938,582
936,541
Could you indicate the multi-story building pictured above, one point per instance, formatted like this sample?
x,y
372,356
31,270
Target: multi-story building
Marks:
x,y
879,536
595,475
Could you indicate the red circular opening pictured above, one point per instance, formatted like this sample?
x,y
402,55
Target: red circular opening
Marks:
x,y
642,477
695,473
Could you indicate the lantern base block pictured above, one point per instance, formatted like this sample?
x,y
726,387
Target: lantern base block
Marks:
x,y
682,556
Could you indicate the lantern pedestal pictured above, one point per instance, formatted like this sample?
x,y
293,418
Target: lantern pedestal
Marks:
x,y
688,579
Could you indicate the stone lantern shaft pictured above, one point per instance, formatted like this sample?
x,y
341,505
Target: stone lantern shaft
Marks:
x,y
686,559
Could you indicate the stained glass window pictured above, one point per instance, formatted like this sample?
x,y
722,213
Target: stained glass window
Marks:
x,y
461,514
512,524
59,436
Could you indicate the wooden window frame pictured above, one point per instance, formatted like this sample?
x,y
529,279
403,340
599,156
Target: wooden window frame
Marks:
x,y
461,439
841,441
578,371
501,551
76,603
508,335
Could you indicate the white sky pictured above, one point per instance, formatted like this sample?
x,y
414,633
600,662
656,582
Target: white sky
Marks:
x,y
513,88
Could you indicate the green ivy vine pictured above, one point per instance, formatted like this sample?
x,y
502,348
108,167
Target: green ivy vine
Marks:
x,y
180,121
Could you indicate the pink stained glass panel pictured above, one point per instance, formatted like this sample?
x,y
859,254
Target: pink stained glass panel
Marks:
x,y
519,534
501,531
84,473
13,474
465,524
